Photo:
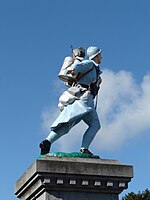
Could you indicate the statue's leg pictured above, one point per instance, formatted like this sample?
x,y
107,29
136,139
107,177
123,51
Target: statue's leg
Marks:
x,y
62,130
59,132
53,136
92,120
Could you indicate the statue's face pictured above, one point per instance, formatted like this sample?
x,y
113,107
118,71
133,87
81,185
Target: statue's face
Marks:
x,y
98,58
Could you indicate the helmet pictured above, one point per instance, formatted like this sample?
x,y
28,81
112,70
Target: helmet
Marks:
x,y
79,52
93,51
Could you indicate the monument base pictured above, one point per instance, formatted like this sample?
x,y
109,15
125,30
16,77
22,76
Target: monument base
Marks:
x,y
63,178
77,196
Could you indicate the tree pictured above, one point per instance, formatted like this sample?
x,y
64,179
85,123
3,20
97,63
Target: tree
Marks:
x,y
145,195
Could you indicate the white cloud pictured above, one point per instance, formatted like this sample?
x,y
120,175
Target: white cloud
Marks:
x,y
124,110
48,116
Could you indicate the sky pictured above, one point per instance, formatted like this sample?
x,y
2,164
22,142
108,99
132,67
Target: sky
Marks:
x,y
35,37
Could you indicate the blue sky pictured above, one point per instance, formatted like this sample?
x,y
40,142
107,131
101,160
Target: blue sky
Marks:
x,y
35,36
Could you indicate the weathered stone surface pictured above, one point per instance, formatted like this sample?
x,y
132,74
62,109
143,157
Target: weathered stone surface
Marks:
x,y
73,178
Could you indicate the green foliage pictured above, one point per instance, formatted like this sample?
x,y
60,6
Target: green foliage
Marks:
x,y
73,154
145,195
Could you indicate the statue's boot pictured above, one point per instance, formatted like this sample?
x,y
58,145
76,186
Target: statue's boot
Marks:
x,y
45,147
82,150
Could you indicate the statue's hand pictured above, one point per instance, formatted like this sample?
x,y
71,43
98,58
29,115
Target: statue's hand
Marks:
x,y
100,80
71,70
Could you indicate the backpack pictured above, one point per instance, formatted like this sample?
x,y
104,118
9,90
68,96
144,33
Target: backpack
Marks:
x,y
64,74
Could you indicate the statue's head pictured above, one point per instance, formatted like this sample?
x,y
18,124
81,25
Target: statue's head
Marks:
x,y
93,51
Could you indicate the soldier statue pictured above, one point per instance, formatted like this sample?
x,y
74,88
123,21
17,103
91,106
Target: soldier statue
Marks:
x,y
77,103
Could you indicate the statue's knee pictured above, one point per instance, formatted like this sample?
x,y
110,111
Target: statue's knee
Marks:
x,y
97,125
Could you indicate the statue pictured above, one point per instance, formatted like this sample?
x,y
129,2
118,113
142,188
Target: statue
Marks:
x,y
77,103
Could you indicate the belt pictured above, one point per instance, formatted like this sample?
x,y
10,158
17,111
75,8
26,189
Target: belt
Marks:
x,y
84,86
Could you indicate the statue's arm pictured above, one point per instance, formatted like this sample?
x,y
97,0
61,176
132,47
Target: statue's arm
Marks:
x,y
81,67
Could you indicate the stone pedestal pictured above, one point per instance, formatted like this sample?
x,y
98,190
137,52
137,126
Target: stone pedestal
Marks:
x,y
54,178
